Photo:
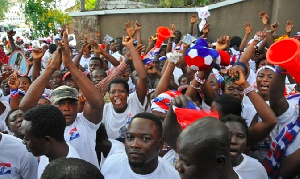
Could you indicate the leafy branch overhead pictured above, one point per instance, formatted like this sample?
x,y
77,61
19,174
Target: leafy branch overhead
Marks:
x,y
44,16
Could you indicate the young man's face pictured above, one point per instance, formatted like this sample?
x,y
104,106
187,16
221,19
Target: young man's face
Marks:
x,y
98,75
235,90
190,165
56,79
142,143
95,64
238,141
34,145
69,109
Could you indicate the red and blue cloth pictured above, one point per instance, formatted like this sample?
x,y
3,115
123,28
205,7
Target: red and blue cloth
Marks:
x,y
272,162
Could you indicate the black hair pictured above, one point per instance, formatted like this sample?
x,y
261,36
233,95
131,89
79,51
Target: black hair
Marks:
x,y
71,168
239,119
235,41
52,48
228,104
120,81
28,78
259,59
46,120
182,76
8,114
152,117
97,58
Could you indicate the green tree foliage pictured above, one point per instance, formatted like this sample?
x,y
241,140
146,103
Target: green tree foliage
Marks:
x,y
3,8
44,16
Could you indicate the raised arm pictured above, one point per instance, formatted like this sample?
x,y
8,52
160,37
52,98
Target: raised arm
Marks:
x,y
79,55
164,81
262,129
93,109
138,30
107,56
14,83
10,35
193,20
248,30
171,127
141,87
268,29
37,55
276,92
38,86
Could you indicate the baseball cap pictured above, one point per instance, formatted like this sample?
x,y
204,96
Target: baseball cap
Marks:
x,y
63,92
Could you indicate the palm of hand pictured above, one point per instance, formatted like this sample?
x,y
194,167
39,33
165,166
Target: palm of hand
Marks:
x,y
193,19
289,26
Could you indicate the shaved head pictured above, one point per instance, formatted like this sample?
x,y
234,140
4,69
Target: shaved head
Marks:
x,y
204,146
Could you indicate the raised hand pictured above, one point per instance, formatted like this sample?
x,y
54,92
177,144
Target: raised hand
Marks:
x,y
127,41
205,29
129,28
13,81
138,26
274,26
172,30
141,48
37,53
56,59
193,18
66,58
233,72
85,47
289,26
97,48
11,33
248,29
222,43
259,36
264,17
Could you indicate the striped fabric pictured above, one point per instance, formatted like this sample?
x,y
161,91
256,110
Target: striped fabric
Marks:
x,y
272,162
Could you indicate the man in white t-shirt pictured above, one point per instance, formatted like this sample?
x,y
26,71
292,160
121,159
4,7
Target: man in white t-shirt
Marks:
x,y
43,128
142,145
81,128
117,114
15,161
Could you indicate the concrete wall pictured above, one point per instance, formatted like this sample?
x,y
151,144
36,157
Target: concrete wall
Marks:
x,y
227,18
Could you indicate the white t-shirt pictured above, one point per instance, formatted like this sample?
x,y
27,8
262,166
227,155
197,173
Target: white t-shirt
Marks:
x,y
15,161
81,134
3,116
117,56
251,168
289,116
116,124
171,156
116,147
85,62
117,166
44,161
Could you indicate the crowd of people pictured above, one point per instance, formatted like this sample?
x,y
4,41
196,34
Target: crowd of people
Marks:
x,y
178,107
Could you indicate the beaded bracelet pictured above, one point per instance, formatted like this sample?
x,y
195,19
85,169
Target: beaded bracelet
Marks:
x,y
14,93
197,88
268,31
199,79
248,90
281,72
